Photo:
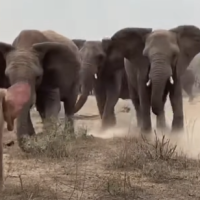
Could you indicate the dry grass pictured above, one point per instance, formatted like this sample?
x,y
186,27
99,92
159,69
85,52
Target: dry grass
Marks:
x,y
59,167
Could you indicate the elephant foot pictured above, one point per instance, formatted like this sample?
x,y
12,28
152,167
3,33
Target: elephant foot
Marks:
x,y
69,126
161,126
29,134
108,122
145,130
23,143
146,126
177,124
177,129
139,123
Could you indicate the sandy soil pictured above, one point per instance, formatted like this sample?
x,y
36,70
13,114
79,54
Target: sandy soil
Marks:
x,y
107,168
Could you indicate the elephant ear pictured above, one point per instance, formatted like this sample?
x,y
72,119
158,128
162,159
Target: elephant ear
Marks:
x,y
46,49
79,43
188,38
5,48
53,55
106,42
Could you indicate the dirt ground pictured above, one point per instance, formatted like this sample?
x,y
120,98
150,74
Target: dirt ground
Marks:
x,y
116,164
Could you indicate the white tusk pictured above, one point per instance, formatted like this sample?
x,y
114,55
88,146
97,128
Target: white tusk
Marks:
x,y
171,80
95,76
148,83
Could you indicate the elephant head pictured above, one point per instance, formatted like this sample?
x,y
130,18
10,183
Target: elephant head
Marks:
x,y
24,68
93,59
168,53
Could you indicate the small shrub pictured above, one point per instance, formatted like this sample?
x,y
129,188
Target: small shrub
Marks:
x,y
55,142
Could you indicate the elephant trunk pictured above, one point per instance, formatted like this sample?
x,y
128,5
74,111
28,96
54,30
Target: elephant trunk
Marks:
x,y
159,76
86,81
24,89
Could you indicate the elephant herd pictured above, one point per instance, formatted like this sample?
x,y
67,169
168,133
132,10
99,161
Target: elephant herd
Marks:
x,y
44,68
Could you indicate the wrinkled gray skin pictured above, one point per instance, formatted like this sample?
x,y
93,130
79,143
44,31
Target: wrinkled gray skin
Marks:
x,y
109,85
37,58
160,58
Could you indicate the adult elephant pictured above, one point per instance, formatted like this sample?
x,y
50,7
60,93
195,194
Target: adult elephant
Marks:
x,y
109,85
37,63
160,58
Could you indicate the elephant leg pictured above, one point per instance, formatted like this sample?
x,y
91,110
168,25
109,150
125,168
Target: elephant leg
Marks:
x,y
50,98
100,96
113,87
177,106
188,89
144,95
136,102
108,118
40,106
22,132
52,103
69,105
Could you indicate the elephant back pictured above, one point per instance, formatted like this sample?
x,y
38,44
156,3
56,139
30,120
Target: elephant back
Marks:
x,y
56,37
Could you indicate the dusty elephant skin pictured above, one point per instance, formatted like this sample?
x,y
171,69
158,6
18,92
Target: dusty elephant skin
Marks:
x,y
159,59
39,63
109,84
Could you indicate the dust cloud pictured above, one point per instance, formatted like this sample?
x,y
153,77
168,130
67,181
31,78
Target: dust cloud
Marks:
x,y
188,141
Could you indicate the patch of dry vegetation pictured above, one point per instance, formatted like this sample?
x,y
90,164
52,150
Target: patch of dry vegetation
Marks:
x,y
60,166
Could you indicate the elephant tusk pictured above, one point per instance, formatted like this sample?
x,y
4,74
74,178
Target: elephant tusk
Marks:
x,y
148,83
171,80
95,76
